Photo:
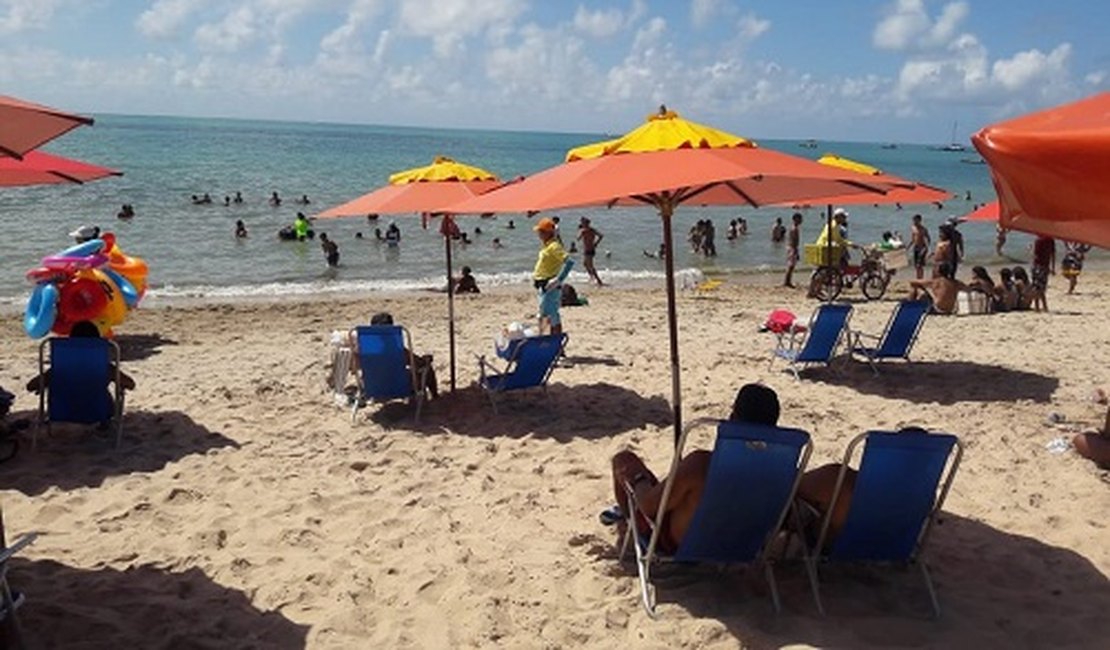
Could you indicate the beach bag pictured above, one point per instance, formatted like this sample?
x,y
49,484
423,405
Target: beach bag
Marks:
x,y
569,297
779,321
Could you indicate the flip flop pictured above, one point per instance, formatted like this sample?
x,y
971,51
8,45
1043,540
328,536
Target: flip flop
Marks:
x,y
611,516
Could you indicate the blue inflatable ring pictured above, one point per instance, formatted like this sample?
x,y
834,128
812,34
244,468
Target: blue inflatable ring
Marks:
x,y
126,289
42,309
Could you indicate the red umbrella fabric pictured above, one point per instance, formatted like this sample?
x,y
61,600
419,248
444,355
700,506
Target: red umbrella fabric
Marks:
x,y
1051,170
38,168
667,172
410,197
25,126
985,212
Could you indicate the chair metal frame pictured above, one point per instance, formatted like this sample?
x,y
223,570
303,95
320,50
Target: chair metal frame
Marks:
x,y
646,557
418,380
797,344
871,355
817,555
115,378
510,366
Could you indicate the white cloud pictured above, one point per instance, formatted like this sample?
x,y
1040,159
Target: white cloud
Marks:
x,y
703,11
751,27
449,22
600,23
1031,67
166,17
237,29
21,15
907,25
547,65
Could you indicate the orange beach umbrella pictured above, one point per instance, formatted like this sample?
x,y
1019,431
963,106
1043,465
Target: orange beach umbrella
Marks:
x,y
25,126
428,189
665,163
985,212
38,168
1051,170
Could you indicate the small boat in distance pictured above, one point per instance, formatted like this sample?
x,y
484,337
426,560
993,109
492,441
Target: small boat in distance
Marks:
x,y
952,144
808,144
973,161
889,145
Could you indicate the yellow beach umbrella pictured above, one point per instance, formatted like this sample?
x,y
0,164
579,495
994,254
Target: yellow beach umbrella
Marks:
x,y
833,160
442,169
663,131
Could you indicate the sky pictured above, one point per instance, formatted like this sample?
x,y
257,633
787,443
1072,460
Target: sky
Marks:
x,y
892,70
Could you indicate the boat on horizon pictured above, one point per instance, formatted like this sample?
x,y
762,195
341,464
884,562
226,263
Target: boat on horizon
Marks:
x,y
808,144
888,145
952,144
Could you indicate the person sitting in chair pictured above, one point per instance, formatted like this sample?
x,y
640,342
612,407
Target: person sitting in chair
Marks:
x,y
82,329
754,403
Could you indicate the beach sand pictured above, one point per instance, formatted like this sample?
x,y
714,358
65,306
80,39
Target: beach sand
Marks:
x,y
244,509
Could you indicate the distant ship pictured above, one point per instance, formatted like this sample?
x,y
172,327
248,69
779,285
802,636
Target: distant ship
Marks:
x,y
952,144
973,161
808,144
889,145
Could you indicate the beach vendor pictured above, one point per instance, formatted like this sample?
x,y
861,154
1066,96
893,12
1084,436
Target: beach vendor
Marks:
x,y
839,240
300,227
551,267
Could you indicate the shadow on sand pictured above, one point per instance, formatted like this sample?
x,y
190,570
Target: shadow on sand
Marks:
x,y
141,607
996,589
608,409
76,456
136,347
943,382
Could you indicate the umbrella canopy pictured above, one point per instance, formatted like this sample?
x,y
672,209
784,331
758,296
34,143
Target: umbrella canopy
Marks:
x,y
1051,170
25,126
428,189
902,190
667,162
423,189
985,212
38,168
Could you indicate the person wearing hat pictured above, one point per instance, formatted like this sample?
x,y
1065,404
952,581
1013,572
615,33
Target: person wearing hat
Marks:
x,y
838,235
546,276
590,238
85,233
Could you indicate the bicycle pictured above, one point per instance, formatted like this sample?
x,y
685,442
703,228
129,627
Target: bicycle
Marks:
x,y
872,273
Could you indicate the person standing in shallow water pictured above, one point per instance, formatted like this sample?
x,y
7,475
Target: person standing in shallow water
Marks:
x,y
590,238
331,250
793,245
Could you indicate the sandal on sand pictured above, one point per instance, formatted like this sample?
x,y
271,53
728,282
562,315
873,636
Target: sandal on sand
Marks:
x,y
611,516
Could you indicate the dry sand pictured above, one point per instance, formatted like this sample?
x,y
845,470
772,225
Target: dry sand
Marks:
x,y
245,510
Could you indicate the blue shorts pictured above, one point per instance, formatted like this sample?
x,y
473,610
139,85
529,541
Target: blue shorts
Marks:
x,y
549,304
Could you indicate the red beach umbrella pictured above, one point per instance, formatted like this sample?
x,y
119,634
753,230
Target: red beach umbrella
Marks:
x,y
38,168
1051,170
25,126
665,163
985,212
428,189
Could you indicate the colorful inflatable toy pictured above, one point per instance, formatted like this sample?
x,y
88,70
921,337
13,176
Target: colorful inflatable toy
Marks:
x,y
93,281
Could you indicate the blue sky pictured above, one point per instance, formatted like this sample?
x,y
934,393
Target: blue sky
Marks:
x,y
897,70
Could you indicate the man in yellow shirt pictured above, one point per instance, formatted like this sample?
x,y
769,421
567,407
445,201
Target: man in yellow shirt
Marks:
x,y
546,276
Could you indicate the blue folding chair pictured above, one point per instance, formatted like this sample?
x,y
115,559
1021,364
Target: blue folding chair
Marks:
x,y
384,368
899,491
897,339
753,473
530,363
11,600
76,387
818,342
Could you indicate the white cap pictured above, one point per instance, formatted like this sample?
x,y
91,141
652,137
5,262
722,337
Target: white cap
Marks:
x,y
840,211
86,232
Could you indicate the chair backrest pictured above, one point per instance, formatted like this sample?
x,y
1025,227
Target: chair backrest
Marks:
x,y
895,494
383,362
80,369
828,325
532,361
901,331
753,473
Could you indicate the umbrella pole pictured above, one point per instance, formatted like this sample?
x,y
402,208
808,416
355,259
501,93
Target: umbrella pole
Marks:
x,y
450,304
828,246
666,210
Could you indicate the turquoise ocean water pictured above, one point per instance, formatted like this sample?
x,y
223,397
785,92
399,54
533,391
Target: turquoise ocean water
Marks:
x,y
191,249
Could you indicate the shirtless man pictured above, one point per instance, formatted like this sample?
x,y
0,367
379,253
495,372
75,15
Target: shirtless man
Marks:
x,y
919,245
754,403
590,238
793,245
941,289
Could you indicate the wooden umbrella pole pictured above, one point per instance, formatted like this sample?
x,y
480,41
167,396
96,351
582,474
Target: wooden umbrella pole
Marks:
x,y
666,210
450,300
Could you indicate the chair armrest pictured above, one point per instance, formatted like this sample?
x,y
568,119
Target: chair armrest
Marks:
x,y
634,508
21,543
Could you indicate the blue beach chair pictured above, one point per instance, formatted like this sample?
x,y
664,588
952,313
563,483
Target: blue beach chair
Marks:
x,y
899,491
818,342
753,473
384,371
529,364
897,339
11,600
76,387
